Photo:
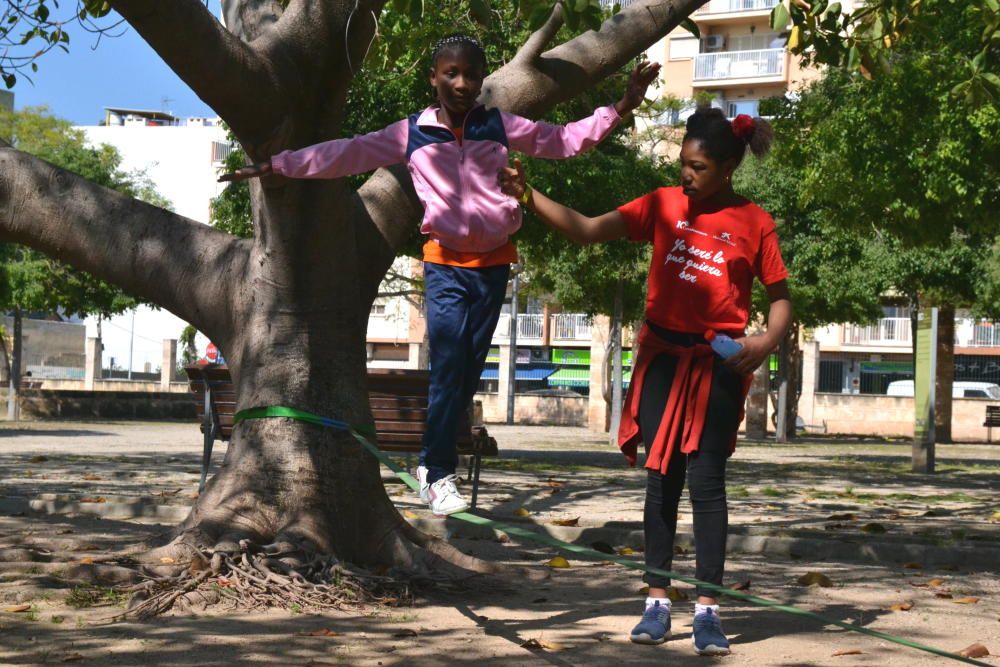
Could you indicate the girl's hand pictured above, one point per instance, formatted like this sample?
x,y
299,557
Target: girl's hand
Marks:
x,y
635,92
755,350
253,171
512,181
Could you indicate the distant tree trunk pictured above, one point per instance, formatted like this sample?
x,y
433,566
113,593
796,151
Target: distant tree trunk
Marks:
x,y
14,375
616,364
757,399
945,373
790,376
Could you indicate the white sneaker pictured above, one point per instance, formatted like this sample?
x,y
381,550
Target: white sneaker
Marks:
x,y
425,488
444,497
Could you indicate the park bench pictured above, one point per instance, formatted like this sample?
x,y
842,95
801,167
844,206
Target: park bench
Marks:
x,y
992,419
398,400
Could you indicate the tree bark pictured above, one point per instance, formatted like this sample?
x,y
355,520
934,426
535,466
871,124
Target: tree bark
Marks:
x,y
289,308
14,376
945,373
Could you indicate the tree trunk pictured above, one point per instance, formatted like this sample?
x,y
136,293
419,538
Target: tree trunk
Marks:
x,y
14,380
945,373
756,406
616,365
790,383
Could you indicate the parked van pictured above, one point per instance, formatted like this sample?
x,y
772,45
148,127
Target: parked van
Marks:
x,y
960,389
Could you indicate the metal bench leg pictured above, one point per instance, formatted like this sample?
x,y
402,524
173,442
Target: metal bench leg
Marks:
x,y
477,462
206,457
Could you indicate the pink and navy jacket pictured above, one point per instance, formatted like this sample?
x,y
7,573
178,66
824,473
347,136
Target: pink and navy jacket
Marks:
x,y
464,209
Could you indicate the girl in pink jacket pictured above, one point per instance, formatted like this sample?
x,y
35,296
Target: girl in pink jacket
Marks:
x,y
454,151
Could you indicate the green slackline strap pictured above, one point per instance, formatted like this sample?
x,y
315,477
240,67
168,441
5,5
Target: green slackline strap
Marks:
x,y
363,435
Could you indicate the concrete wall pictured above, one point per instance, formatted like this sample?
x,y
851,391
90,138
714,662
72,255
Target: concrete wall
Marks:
x,y
51,349
42,404
893,415
127,386
536,409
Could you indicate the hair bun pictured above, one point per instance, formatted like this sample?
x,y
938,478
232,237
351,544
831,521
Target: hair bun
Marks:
x,y
744,126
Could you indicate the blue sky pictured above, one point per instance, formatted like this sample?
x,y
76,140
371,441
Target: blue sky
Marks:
x,y
122,71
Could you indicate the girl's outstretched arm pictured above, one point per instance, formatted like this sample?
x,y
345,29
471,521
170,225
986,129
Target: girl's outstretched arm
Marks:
x,y
336,158
556,142
572,224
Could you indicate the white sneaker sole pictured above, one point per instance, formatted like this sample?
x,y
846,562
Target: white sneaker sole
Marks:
x,y
644,638
711,649
447,512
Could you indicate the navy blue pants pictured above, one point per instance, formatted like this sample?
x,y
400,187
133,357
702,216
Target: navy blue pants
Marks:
x,y
463,306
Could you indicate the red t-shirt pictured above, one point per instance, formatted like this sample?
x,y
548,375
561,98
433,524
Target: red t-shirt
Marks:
x,y
704,259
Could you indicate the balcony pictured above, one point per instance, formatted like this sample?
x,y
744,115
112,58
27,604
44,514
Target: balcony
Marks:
x,y
570,328
887,332
529,329
971,333
736,7
738,67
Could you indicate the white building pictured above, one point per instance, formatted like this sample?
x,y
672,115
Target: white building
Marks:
x,y
182,157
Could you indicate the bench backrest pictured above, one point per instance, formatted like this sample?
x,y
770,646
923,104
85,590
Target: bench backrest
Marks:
x,y
398,400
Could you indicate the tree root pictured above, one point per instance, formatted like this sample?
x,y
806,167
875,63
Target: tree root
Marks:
x,y
257,577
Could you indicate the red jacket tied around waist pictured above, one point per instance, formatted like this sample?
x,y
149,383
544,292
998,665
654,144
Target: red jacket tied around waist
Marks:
x,y
684,416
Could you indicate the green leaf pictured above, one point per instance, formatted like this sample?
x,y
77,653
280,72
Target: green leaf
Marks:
x,y
481,11
977,61
9,80
779,17
853,58
691,27
416,10
400,5
833,9
581,6
993,5
539,16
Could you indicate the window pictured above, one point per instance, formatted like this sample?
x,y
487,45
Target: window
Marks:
x,y
734,109
752,42
683,48
378,310
221,150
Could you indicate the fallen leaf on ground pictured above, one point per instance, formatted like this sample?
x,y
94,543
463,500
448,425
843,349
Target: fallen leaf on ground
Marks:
x,y
675,594
38,459
17,608
503,538
87,560
555,484
559,562
847,651
949,568
996,517
740,585
167,560
935,583
567,522
603,547
73,657
93,499
539,600
321,632
170,493
815,579
847,516
679,550
406,633
913,566
966,600
224,583
873,528
946,596
407,514
91,477
542,644
626,551
520,511
901,606
974,651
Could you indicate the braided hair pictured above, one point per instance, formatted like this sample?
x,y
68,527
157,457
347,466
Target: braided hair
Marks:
x,y
458,43
723,140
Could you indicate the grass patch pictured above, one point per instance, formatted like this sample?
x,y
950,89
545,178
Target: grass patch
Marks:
x,y
867,498
84,596
772,492
738,492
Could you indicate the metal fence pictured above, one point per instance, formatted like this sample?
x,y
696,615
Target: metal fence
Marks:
x,y
872,374
739,64
570,326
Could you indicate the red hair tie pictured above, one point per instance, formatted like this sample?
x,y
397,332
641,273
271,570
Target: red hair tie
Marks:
x,y
743,126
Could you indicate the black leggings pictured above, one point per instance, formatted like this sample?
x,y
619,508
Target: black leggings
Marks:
x,y
705,470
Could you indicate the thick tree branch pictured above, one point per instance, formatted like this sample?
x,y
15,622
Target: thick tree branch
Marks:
x,y
531,86
179,264
226,73
541,38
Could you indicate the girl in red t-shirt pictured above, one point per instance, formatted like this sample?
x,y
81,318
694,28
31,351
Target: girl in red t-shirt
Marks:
x,y
684,402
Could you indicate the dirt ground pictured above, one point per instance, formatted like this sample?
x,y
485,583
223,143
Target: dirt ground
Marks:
x,y
86,490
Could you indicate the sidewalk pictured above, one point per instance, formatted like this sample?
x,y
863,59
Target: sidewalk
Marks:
x,y
92,488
